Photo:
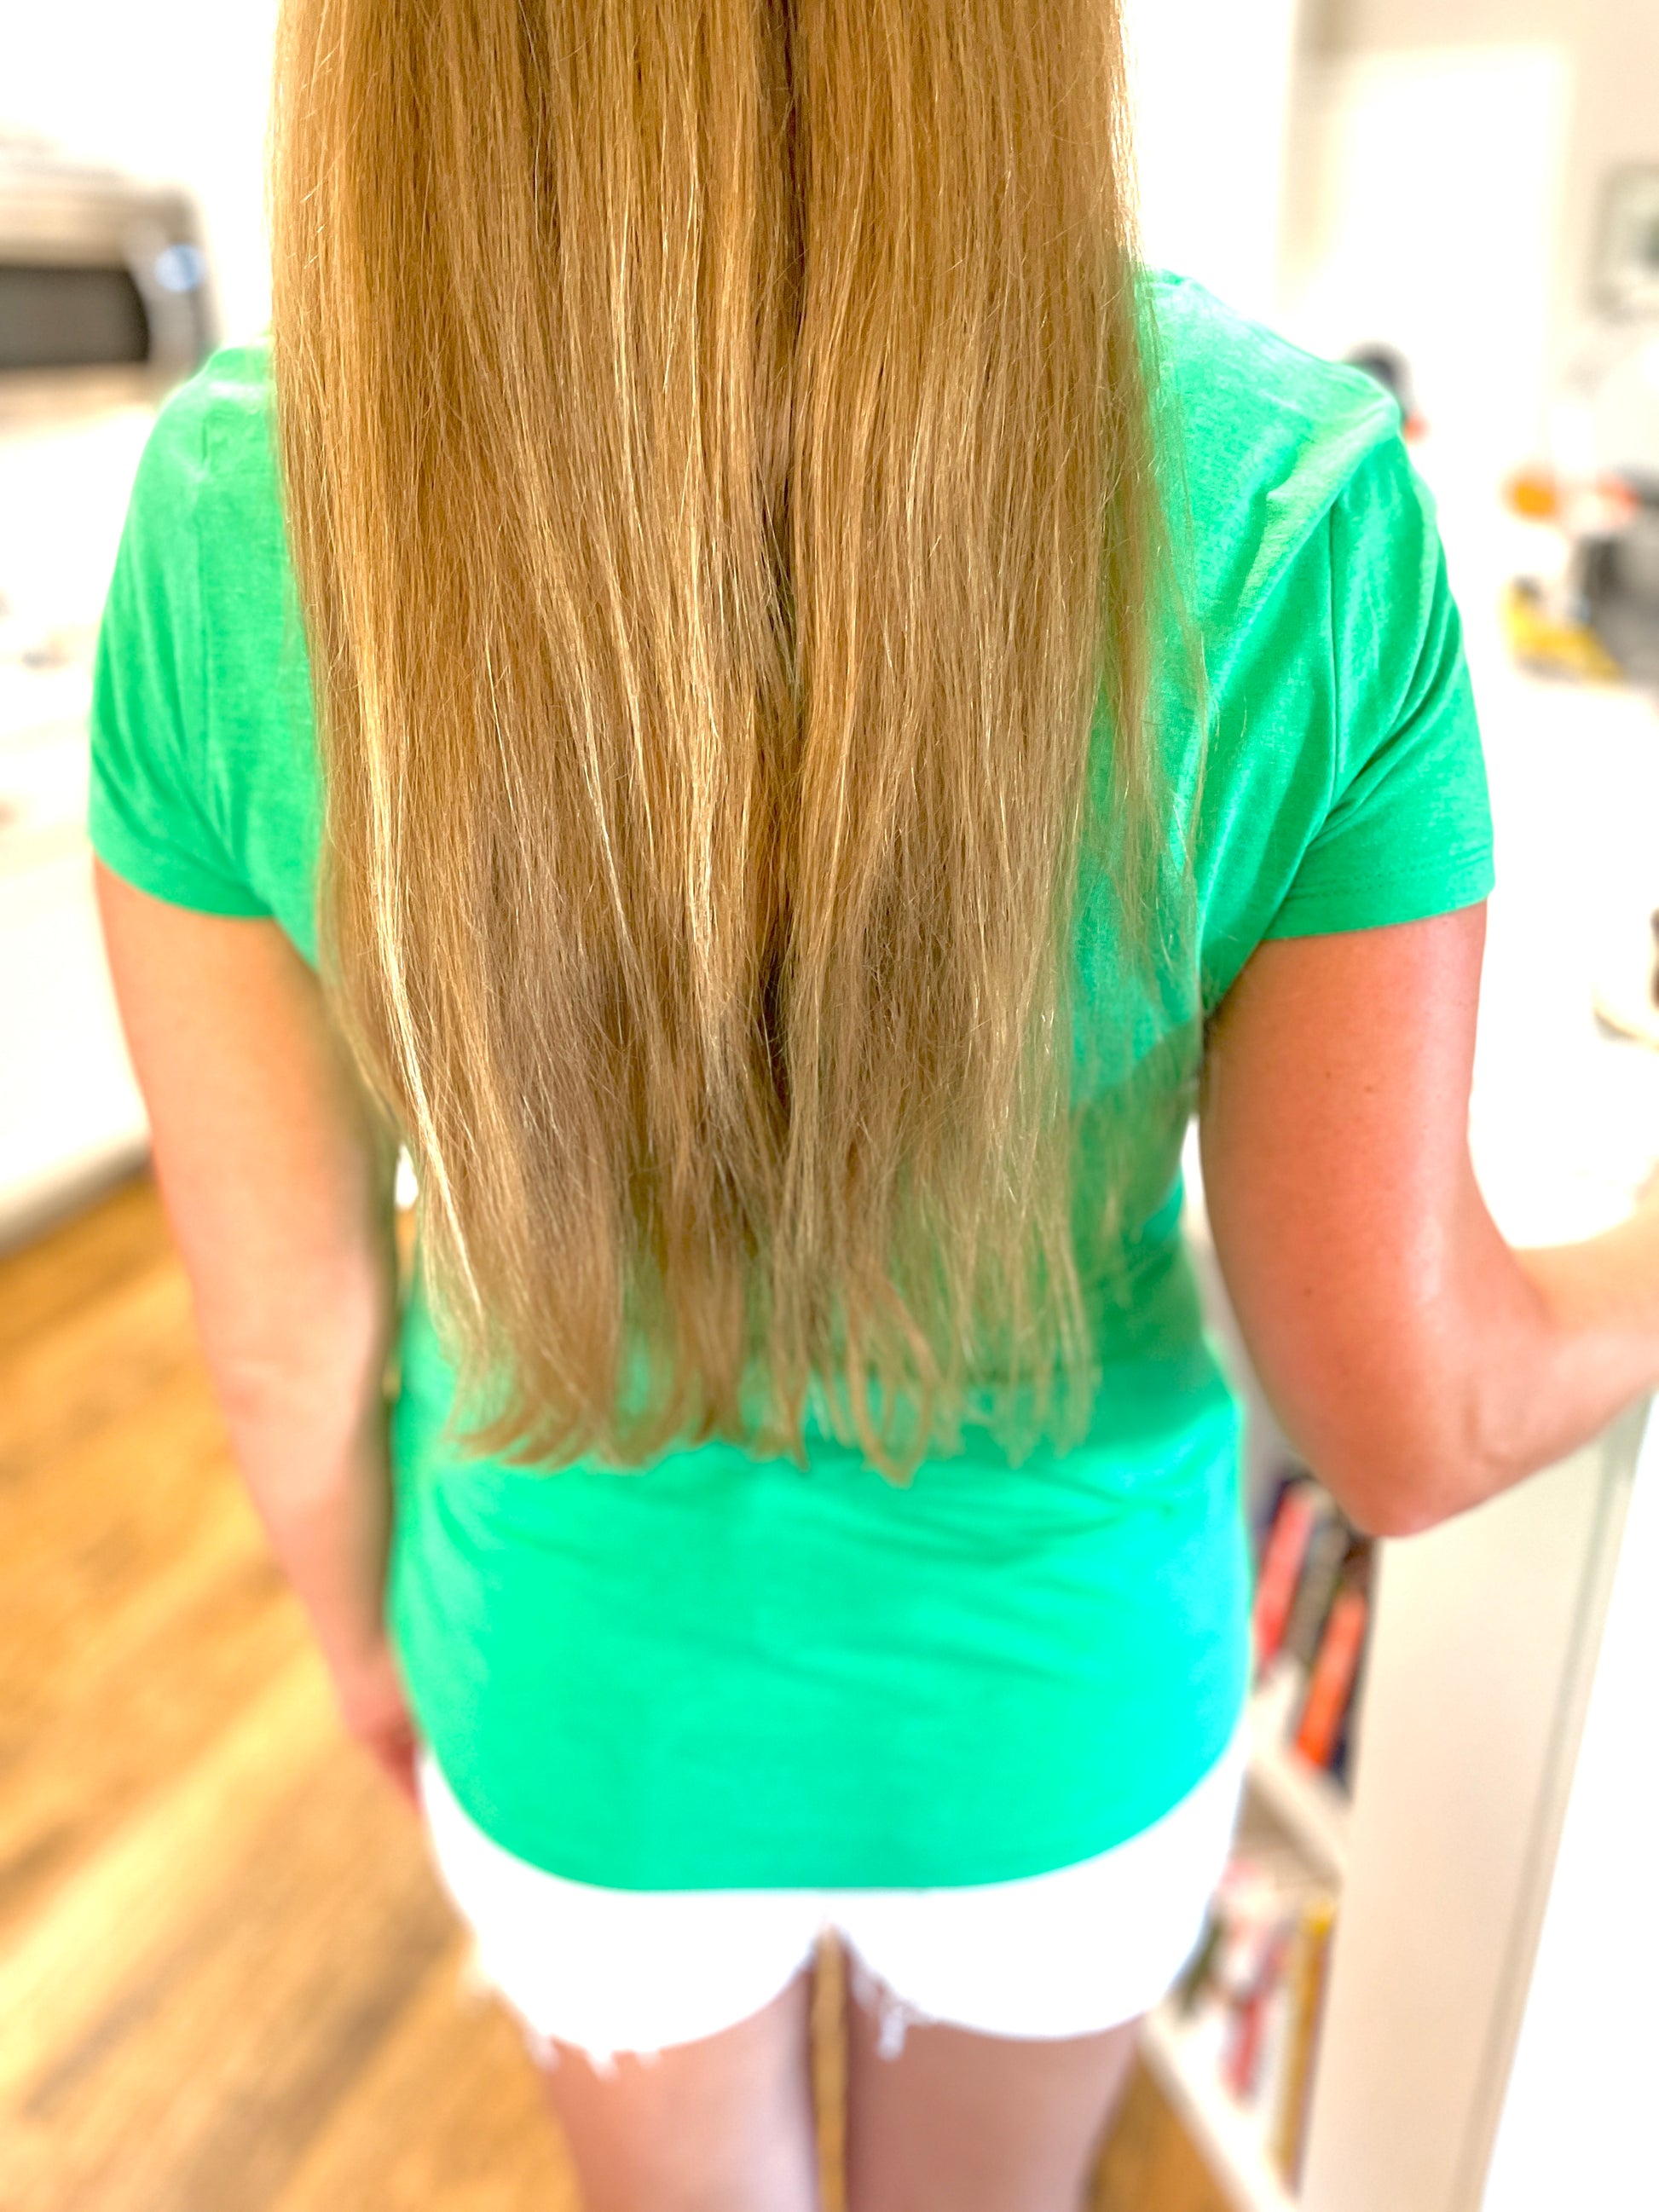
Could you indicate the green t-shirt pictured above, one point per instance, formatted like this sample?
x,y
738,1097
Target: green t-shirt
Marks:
x,y
726,1672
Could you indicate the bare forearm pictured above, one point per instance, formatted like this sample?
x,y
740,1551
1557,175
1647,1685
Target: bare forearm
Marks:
x,y
305,1400
319,1473
297,1328
313,1451
1545,1348
1597,1345
277,1169
300,1359
297,1331
1482,1367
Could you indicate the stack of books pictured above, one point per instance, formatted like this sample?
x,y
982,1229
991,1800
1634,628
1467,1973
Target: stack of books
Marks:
x,y
1312,1613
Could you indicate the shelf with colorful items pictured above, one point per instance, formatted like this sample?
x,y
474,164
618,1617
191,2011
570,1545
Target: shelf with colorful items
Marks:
x,y
1234,2043
1312,1615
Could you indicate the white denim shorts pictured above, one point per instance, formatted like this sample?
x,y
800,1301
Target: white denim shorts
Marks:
x,y
1071,1952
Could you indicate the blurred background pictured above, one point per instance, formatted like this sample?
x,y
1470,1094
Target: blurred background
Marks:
x,y
1463,196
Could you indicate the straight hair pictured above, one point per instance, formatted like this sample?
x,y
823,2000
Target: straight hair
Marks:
x,y
716,450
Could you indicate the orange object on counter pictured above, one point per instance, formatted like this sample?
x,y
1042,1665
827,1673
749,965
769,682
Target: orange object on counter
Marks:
x,y
1535,493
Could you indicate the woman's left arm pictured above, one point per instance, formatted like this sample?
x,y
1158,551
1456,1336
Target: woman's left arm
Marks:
x,y
277,1179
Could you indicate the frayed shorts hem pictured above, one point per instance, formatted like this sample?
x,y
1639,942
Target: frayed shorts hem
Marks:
x,y
608,1972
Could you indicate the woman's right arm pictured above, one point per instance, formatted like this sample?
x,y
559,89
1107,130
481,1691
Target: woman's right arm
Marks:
x,y
1419,1364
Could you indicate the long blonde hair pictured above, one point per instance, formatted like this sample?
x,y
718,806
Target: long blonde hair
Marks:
x,y
716,462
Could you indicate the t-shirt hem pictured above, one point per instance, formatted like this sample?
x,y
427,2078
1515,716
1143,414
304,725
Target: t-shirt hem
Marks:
x,y
1057,1850
154,871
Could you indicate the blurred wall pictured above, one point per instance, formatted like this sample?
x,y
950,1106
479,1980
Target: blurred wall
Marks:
x,y
1612,47
179,88
1422,213
1211,83
170,89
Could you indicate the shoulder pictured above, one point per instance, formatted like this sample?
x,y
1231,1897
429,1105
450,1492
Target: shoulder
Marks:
x,y
1258,439
206,514
211,440
226,402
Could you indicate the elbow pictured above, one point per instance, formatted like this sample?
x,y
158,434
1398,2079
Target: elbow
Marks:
x,y
321,1343
1413,1428
336,1383
1394,1508
1381,1504
1422,1473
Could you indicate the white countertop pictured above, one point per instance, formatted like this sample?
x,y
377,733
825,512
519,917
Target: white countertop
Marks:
x,y
1565,1121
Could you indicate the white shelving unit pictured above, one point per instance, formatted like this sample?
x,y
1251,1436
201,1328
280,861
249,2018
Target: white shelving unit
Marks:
x,y
1312,1807
1311,1812
1487,1653
1228,2136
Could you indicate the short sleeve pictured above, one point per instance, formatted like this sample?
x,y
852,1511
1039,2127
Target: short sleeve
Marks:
x,y
1408,829
149,813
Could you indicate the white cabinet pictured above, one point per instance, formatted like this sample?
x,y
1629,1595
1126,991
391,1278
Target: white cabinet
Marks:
x,y
1488,1635
1489,2025
68,1109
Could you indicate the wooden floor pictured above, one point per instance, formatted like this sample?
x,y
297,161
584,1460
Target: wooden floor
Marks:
x,y
227,1982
